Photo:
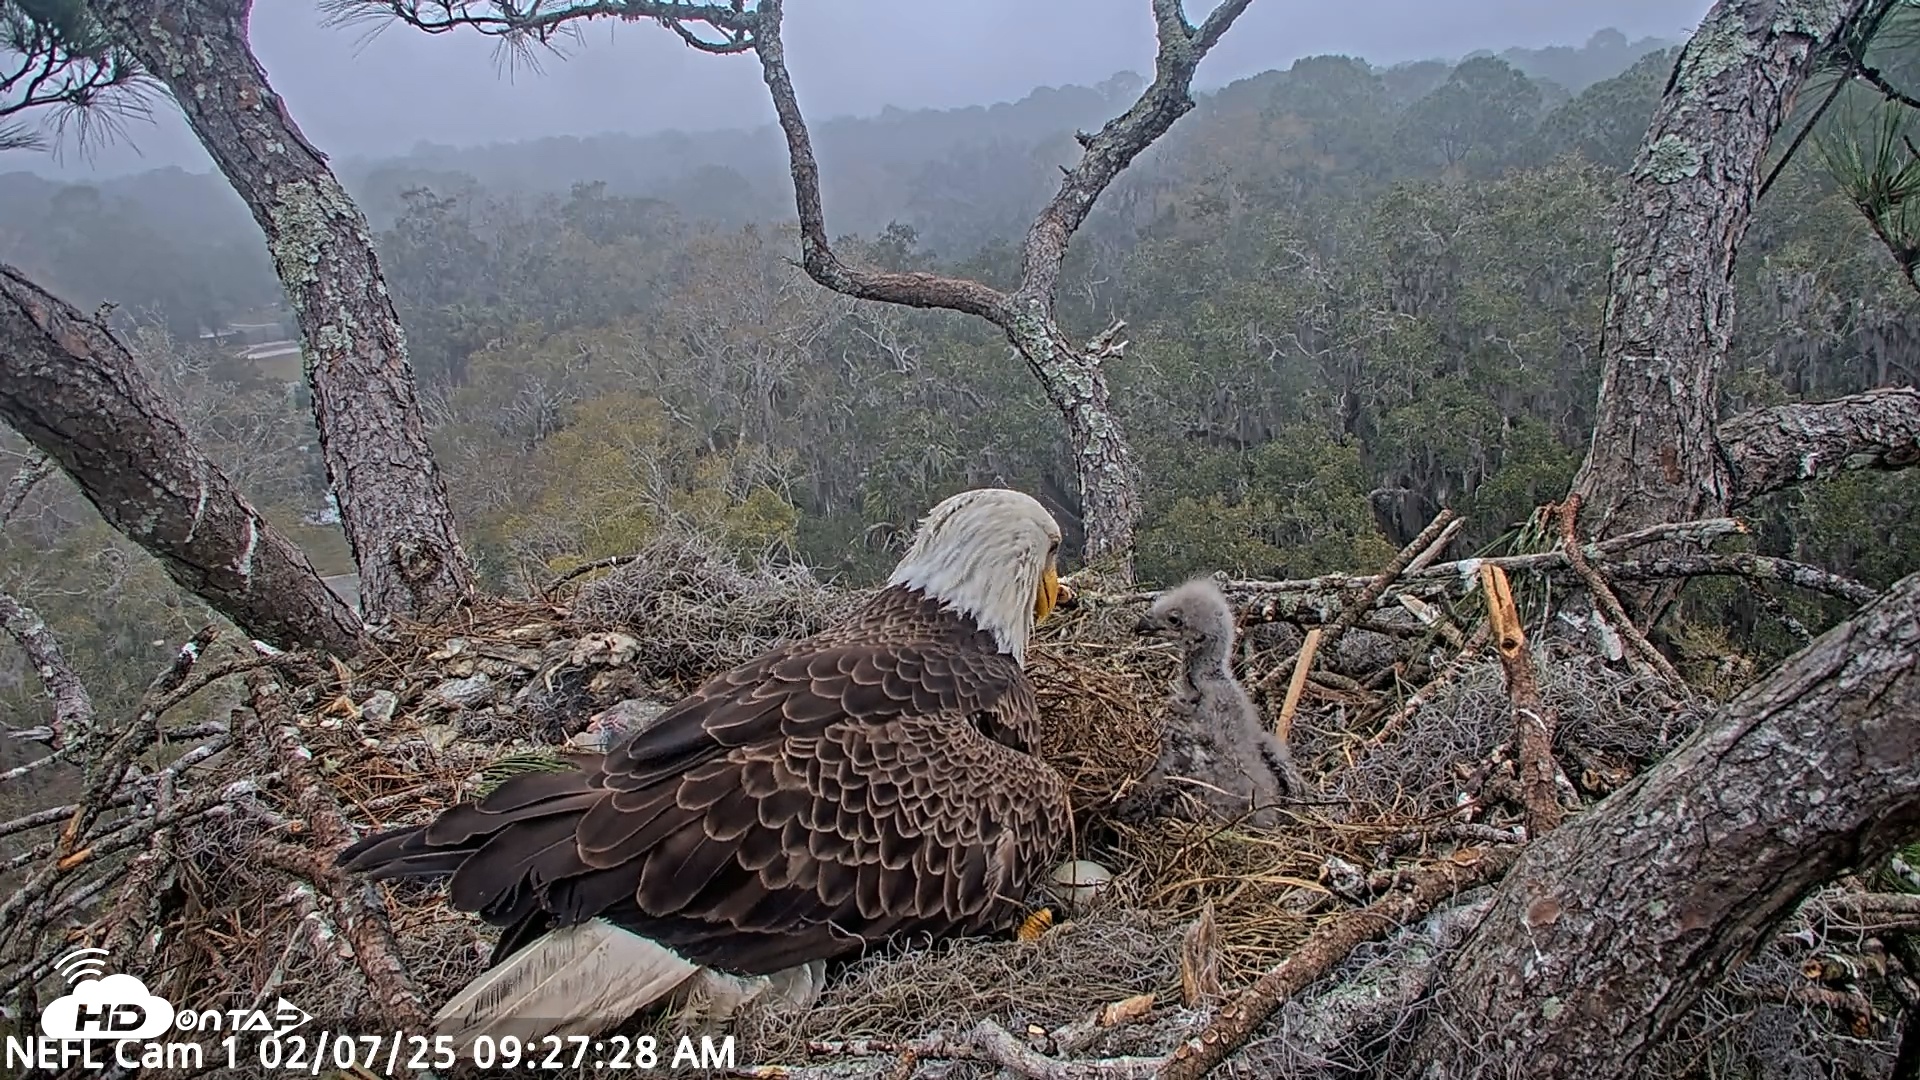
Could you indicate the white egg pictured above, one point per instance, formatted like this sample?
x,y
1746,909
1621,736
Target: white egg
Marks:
x,y
1079,882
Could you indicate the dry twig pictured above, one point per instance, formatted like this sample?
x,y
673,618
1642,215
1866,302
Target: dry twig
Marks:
x,y
1603,597
1370,595
109,768
1284,724
1461,662
584,569
365,919
1426,558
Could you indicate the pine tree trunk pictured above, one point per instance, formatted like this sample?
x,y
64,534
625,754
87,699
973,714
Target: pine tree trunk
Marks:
x,y
1655,456
393,501
70,388
1612,926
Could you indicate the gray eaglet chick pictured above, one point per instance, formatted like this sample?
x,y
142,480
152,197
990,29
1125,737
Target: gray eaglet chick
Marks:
x,y
1213,744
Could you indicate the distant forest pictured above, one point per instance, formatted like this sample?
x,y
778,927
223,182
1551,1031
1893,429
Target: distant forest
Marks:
x,y
1353,295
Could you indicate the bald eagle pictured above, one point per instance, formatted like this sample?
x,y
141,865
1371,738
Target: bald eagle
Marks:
x,y
874,780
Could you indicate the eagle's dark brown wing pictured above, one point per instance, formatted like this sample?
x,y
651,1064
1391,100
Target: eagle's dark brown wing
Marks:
x,y
872,781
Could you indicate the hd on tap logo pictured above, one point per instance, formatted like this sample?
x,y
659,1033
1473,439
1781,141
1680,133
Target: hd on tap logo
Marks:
x,y
102,1006
108,1019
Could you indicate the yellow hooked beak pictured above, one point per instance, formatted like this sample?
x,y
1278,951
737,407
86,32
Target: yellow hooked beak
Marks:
x,y
1048,596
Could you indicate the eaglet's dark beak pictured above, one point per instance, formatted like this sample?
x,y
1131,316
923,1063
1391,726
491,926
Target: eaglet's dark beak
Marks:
x,y
1147,625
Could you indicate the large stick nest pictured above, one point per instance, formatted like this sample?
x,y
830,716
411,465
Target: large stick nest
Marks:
x,y
434,715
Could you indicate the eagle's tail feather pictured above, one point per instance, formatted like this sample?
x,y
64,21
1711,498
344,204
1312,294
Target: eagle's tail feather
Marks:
x,y
577,980
400,853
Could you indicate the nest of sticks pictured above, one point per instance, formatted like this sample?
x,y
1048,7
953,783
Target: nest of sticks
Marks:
x,y
207,864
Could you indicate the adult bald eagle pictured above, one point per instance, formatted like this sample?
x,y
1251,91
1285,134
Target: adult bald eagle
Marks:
x,y
874,780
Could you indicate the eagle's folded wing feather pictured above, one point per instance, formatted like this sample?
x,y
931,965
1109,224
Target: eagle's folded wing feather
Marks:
x,y
789,810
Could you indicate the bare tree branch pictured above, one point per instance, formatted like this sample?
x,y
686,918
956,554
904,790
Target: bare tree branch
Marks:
x,y
72,706
1166,99
1229,1028
542,20
392,497
37,467
1069,372
71,388
366,926
912,289
1104,156
1773,448
1645,658
1271,601
1744,565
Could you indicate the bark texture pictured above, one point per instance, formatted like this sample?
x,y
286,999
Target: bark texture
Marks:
x,y
1610,927
393,501
1775,448
73,390
72,705
1689,200
1071,375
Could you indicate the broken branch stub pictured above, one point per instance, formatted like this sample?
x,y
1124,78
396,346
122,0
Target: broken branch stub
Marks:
x,y
1533,720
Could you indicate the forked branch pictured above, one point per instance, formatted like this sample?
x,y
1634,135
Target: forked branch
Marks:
x,y
1167,98
1103,157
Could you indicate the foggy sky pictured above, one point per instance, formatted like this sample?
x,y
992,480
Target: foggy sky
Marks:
x,y
357,97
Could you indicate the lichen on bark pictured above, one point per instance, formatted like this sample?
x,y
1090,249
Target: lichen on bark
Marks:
x,y
1671,159
392,498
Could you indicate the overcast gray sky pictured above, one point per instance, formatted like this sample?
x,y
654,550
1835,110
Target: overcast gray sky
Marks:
x,y
355,97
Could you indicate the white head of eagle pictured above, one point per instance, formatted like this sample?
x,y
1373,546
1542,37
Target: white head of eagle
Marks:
x,y
989,554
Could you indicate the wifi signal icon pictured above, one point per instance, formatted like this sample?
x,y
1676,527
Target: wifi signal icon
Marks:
x,y
81,964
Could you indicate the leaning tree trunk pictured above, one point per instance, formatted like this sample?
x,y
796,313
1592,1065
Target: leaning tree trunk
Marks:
x,y
74,391
393,501
1690,194
1612,926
